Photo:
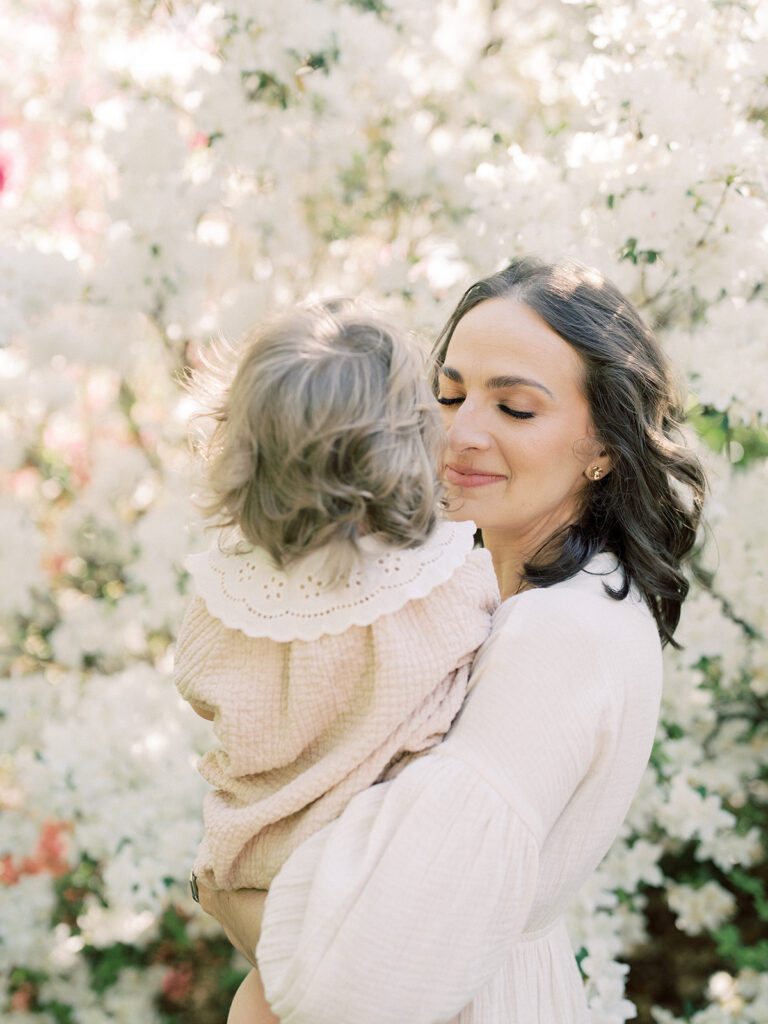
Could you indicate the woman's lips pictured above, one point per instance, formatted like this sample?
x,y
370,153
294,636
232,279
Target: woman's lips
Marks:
x,y
469,477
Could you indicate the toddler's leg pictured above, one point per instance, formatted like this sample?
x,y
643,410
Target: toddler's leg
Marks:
x,y
250,1005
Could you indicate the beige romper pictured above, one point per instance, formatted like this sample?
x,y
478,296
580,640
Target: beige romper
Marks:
x,y
317,690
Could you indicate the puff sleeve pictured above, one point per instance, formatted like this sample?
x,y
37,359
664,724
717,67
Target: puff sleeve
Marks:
x,y
405,907
403,911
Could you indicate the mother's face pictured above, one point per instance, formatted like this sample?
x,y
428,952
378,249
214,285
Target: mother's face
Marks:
x,y
520,438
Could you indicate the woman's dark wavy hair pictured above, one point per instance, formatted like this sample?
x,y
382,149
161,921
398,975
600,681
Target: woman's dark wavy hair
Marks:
x,y
647,509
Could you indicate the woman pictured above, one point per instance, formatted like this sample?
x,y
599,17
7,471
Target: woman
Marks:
x,y
439,895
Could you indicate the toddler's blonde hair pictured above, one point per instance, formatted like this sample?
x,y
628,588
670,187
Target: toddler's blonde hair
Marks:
x,y
327,431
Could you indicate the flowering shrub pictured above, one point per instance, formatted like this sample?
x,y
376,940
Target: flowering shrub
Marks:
x,y
169,172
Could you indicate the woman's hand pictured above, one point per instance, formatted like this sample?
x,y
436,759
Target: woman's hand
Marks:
x,y
239,912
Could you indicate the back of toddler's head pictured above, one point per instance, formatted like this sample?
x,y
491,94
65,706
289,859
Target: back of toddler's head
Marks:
x,y
328,431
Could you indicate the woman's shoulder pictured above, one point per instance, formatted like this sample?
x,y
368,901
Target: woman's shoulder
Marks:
x,y
564,660
578,627
587,600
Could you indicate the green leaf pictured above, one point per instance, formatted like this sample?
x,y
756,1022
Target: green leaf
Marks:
x,y
174,928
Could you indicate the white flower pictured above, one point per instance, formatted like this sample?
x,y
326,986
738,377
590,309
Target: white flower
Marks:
x,y
88,628
752,987
24,1017
123,772
134,996
12,446
700,909
718,379
706,631
661,1016
605,991
20,559
104,926
165,175
687,814
26,910
728,849
87,335
627,867
24,299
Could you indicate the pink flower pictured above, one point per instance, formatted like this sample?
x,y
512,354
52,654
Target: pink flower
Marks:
x,y
49,856
177,983
22,998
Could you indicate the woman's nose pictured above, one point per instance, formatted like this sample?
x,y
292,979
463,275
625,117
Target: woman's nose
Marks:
x,y
465,430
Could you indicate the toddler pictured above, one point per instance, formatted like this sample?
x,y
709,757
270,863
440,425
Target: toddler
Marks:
x,y
334,622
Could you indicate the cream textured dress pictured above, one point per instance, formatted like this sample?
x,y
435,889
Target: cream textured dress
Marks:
x,y
321,678
439,895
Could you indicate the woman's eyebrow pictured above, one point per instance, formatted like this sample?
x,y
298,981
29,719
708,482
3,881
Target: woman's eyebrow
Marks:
x,y
494,383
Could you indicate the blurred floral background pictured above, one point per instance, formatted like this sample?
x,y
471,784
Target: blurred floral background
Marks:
x,y
172,172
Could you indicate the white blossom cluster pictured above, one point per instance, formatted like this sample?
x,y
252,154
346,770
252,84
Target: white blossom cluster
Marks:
x,y
174,172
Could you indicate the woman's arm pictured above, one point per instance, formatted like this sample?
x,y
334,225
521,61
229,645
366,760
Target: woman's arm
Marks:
x,y
239,912
440,914
406,907
250,1005
404,911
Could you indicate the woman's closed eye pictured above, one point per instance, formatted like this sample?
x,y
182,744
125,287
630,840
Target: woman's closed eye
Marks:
x,y
518,414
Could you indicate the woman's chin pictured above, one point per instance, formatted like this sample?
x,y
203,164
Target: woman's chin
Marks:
x,y
459,512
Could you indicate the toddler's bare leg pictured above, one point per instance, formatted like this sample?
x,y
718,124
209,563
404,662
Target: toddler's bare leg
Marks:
x,y
250,1005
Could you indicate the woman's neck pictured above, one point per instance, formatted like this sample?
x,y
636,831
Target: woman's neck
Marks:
x,y
508,563
510,554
